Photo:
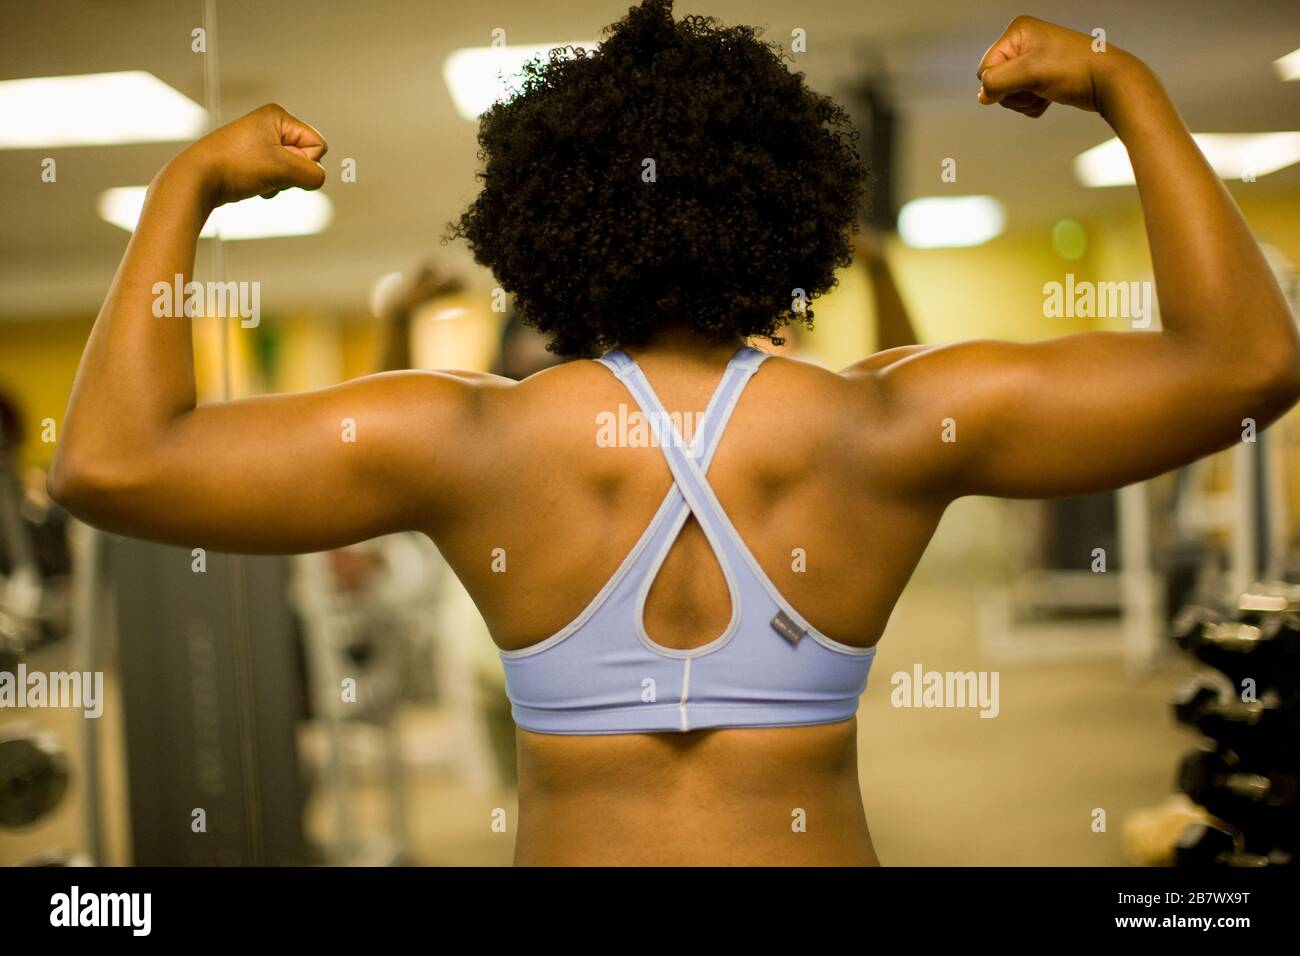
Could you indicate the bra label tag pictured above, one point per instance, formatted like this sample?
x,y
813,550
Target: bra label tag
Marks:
x,y
787,628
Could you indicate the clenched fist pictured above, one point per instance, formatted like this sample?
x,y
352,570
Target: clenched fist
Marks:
x,y
1034,64
257,155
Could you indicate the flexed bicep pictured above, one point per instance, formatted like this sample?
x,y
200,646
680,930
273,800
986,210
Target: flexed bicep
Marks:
x,y
1099,410
288,473
1071,415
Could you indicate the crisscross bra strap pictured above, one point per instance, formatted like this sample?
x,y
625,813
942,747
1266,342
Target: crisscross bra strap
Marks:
x,y
688,461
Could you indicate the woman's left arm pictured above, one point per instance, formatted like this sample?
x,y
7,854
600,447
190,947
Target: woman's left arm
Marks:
x,y
280,473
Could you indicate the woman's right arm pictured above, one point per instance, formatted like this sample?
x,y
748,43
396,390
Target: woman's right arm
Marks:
x,y
1099,410
281,473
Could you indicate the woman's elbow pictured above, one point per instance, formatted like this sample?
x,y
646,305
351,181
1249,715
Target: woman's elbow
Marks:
x,y
82,484
1277,381
65,482
1287,369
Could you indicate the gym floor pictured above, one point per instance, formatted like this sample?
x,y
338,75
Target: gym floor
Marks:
x,y
946,787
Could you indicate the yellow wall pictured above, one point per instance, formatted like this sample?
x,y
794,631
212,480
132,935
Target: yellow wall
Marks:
x,y
996,290
991,291
38,361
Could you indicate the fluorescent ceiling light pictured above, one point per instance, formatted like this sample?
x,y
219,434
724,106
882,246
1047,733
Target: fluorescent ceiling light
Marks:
x,y
1288,67
479,76
940,221
94,109
1231,155
291,213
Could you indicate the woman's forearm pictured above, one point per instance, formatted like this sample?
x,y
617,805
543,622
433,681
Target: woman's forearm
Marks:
x,y
137,372
893,324
395,352
136,380
1214,285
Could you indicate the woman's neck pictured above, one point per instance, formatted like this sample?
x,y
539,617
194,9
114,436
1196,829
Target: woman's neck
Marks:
x,y
688,345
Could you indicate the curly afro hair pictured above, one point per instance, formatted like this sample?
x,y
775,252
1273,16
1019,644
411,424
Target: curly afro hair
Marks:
x,y
678,174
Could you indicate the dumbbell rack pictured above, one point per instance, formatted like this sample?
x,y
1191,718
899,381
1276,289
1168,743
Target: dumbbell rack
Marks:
x,y
1246,706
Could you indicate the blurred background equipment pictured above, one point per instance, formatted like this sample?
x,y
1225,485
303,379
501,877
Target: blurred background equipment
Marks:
x,y
34,557
1231,521
35,769
1247,707
221,785
371,639
1244,702
33,777
877,122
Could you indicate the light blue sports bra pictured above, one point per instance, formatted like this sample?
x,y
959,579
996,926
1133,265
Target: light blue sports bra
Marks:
x,y
602,674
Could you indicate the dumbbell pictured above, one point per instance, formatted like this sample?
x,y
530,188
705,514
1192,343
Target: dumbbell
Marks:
x,y
33,777
1267,729
1263,805
1188,622
1204,844
10,654
1276,597
1265,649
1210,776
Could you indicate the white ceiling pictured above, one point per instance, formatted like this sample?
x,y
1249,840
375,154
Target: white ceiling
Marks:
x,y
369,76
